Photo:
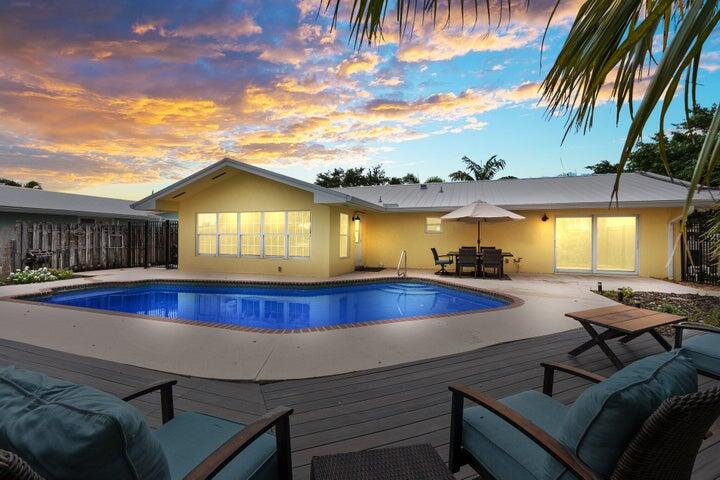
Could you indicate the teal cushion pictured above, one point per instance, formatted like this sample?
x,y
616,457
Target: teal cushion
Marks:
x,y
65,430
606,416
500,447
704,351
190,437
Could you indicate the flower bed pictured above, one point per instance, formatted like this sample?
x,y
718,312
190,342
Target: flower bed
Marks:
x,y
38,275
697,308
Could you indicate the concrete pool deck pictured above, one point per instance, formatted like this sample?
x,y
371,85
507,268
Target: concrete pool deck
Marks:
x,y
237,355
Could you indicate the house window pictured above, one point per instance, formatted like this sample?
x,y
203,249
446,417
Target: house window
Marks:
x,y
227,233
206,230
356,229
254,234
599,243
433,225
344,240
250,236
298,234
274,234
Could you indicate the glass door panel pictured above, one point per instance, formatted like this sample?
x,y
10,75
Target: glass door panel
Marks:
x,y
573,243
616,244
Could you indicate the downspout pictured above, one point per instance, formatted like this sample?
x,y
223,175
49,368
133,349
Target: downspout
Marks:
x,y
671,244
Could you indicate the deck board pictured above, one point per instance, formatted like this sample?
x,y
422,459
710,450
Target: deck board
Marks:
x,y
394,405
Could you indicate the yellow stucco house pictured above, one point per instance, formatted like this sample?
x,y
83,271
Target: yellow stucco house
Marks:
x,y
236,217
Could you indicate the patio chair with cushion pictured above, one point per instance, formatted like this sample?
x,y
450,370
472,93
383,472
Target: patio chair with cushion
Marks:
x,y
492,259
64,430
442,261
467,257
647,421
704,350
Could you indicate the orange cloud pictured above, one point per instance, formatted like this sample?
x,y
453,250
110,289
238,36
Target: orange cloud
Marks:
x,y
365,62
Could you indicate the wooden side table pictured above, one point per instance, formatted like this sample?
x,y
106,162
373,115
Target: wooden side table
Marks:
x,y
620,321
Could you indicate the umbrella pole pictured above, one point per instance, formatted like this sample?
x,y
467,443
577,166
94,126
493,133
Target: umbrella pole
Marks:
x,y
478,236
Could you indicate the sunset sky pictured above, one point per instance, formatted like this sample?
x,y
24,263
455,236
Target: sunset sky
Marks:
x,y
121,98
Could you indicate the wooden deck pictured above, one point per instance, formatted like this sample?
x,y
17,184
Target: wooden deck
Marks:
x,y
397,405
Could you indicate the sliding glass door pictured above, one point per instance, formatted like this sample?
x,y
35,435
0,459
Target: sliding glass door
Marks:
x,y
601,244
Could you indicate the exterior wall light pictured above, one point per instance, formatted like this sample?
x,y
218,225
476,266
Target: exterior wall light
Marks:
x,y
545,218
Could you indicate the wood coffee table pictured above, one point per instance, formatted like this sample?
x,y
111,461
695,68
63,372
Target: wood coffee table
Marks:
x,y
620,321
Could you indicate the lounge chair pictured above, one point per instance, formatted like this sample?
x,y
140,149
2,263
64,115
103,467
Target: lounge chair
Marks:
x,y
467,257
703,349
492,259
442,261
646,421
63,430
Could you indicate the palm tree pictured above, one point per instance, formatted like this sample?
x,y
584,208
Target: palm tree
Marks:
x,y
608,41
12,183
475,171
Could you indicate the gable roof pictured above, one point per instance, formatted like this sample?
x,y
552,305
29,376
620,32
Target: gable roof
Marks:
x,y
637,189
31,200
321,194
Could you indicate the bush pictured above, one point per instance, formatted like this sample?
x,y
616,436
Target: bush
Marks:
x,y
626,292
39,275
670,308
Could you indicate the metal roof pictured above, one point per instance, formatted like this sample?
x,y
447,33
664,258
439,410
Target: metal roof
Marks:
x,y
30,200
588,191
320,194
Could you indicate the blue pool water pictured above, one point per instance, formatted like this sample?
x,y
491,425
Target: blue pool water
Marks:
x,y
279,307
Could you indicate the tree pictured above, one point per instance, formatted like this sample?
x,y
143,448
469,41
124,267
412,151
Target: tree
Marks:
x,y
603,167
352,177
12,183
410,178
508,177
9,183
682,149
434,179
475,171
614,41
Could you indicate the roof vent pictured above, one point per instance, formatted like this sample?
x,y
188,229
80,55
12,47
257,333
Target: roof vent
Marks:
x,y
441,189
423,186
380,199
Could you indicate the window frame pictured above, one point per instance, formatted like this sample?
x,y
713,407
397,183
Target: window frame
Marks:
x,y
198,235
593,270
346,235
239,235
431,232
288,235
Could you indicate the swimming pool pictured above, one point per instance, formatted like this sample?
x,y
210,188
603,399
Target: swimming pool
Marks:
x,y
279,307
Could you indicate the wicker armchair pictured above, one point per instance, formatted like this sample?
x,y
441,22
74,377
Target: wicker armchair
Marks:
x,y
221,453
664,448
703,349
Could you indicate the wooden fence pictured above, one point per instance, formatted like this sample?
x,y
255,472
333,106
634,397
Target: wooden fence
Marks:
x,y
97,246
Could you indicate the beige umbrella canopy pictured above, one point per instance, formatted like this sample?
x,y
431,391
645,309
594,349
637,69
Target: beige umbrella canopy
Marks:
x,y
478,212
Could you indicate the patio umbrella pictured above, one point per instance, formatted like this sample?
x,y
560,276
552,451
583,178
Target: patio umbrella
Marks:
x,y
478,212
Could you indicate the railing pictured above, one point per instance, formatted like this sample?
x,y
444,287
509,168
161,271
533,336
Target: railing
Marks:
x,y
402,261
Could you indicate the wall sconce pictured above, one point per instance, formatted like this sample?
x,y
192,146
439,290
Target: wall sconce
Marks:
x,y
545,218
356,217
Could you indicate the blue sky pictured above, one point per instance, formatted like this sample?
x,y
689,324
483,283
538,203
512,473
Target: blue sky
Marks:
x,y
122,98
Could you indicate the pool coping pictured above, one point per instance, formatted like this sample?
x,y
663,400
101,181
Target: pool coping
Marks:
x,y
513,301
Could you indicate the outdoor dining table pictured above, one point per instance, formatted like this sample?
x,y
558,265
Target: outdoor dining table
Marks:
x,y
621,321
455,254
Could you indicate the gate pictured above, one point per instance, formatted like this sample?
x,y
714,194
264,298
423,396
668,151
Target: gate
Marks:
x,y
699,264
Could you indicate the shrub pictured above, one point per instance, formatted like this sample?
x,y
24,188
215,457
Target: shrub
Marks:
x,y
670,308
626,292
39,275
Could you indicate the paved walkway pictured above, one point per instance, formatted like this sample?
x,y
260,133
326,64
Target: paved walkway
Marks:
x,y
227,354
398,405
